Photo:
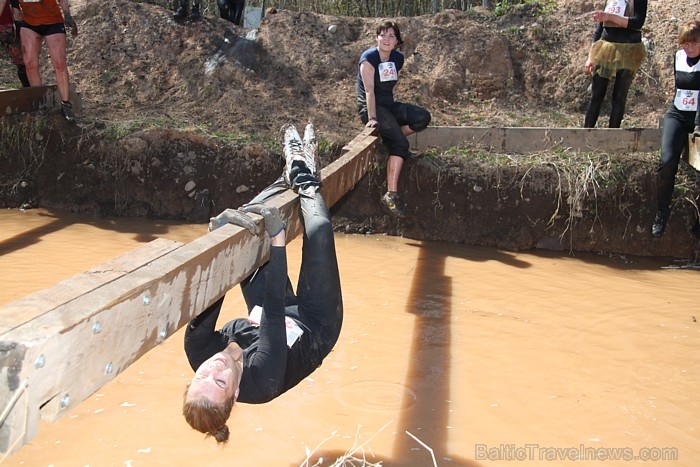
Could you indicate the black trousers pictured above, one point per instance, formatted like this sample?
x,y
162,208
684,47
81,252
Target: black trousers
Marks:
x,y
391,118
674,138
318,295
599,87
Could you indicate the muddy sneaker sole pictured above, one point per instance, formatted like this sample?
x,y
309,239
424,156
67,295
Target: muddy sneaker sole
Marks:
x,y
391,203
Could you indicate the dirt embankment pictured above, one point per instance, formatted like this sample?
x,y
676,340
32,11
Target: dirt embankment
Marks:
x,y
180,121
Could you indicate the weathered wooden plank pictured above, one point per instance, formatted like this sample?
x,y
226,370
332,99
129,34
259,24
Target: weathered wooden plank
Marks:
x,y
74,345
27,308
14,101
527,140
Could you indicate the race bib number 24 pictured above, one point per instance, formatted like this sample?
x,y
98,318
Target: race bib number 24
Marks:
x,y
387,72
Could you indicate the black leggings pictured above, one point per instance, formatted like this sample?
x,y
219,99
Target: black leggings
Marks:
x,y
623,81
319,297
674,138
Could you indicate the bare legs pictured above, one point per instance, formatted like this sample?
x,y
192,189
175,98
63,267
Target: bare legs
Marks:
x,y
31,48
394,165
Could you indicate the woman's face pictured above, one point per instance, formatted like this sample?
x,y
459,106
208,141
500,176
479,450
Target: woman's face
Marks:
x,y
386,40
692,49
216,379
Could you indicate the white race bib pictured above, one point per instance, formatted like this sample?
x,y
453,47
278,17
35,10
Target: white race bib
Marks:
x,y
387,72
294,332
616,7
686,100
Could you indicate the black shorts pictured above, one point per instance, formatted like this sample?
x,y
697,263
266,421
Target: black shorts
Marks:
x,y
45,29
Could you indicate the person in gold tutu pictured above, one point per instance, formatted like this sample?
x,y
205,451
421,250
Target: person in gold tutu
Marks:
x,y
617,52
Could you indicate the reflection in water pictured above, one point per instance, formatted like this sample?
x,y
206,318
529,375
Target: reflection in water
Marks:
x,y
39,248
375,395
481,355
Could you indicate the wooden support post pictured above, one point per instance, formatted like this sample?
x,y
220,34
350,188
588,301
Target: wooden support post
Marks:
x,y
60,345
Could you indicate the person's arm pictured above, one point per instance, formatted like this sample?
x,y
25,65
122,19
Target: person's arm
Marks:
x,y
367,74
589,65
267,365
65,7
280,239
16,12
201,339
68,18
635,22
601,16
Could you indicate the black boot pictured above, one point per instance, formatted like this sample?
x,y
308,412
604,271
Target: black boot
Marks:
x,y
659,225
67,111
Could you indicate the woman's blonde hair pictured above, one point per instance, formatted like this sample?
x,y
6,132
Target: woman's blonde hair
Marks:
x,y
689,32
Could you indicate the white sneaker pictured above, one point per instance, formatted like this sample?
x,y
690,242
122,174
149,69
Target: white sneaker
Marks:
x,y
293,149
310,150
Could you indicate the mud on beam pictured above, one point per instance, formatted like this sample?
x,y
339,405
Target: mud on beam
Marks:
x,y
60,345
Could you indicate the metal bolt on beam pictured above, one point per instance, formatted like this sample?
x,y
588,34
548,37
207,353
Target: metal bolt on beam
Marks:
x,y
40,361
65,401
97,328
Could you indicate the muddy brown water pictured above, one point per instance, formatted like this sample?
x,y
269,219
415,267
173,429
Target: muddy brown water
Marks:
x,y
475,356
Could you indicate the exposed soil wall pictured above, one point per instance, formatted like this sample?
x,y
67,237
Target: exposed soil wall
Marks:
x,y
556,200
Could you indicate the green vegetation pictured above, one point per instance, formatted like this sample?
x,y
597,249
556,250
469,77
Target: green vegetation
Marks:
x,y
535,7
118,130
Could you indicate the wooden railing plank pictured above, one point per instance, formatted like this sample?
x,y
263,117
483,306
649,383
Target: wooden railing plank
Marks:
x,y
524,140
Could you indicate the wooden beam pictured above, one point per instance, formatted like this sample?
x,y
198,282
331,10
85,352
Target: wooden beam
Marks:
x,y
523,140
15,101
60,345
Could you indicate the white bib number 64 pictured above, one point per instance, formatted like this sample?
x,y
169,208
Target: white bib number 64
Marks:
x,y
686,100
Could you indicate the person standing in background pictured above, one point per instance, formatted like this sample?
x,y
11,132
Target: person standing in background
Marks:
x,y
9,38
617,52
681,119
46,21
